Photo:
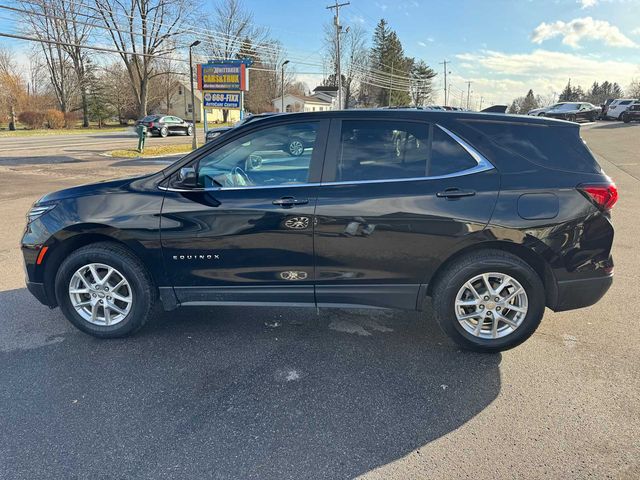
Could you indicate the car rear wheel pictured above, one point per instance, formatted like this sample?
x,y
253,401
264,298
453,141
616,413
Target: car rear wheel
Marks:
x,y
164,131
104,290
295,147
489,301
626,118
189,130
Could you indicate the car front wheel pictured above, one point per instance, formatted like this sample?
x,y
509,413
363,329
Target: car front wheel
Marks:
x,y
489,301
104,290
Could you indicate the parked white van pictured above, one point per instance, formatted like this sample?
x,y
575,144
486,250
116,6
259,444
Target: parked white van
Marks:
x,y
618,107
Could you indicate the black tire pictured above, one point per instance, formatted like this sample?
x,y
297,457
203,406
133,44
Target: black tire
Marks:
x,y
118,257
164,131
572,118
621,116
626,118
189,130
465,268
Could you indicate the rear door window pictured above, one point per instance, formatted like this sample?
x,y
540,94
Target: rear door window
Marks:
x,y
382,150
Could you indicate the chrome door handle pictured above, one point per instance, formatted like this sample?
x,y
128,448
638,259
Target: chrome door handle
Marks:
x,y
290,201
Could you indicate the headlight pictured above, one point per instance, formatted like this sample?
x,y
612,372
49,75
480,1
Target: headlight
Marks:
x,y
38,210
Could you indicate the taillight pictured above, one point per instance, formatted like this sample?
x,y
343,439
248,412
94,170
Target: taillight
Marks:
x,y
604,196
150,124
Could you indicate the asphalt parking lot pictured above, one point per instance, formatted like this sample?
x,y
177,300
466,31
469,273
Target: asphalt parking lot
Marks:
x,y
289,393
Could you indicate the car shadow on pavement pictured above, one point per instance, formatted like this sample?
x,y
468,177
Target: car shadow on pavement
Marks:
x,y
614,125
230,393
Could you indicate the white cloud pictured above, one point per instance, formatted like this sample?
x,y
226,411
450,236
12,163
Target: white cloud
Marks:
x,y
422,44
635,31
579,29
506,75
587,3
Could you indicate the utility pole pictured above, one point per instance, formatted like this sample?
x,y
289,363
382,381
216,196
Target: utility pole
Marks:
x,y
194,140
282,85
446,92
391,80
336,22
468,93
481,99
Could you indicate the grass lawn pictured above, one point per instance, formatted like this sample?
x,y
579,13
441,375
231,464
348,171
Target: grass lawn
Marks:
x,y
62,131
151,151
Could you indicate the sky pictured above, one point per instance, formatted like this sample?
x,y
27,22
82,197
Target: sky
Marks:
x,y
502,47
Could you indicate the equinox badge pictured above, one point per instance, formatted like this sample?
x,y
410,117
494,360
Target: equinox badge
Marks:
x,y
209,256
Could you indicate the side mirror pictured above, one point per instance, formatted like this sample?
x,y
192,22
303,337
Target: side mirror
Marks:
x,y
186,178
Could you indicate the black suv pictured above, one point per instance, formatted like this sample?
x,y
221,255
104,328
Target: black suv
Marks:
x,y
493,216
632,113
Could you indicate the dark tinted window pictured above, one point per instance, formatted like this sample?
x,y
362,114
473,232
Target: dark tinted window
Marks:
x,y
447,155
276,155
558,148
381,150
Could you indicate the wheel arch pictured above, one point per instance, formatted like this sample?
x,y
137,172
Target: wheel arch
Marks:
x,y
66,244
528,255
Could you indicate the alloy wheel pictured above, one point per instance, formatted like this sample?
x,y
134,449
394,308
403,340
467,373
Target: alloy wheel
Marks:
x,y
491,305
100,294
296,148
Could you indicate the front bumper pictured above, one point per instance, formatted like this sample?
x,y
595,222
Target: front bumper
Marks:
x,y
580,293
38,291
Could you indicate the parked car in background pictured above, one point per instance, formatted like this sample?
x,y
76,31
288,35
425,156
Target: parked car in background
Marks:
x,y
574,112
164,125
618,107
216,132
632,114
493,216
539,112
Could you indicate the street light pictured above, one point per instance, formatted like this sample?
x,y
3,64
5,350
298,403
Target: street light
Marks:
x,y
194,142
282,87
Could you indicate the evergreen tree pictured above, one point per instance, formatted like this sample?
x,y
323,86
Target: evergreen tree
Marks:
x,y
529,103
421,83
390,67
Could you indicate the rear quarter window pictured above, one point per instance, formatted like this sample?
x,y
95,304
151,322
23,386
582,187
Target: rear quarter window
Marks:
x,y
552,147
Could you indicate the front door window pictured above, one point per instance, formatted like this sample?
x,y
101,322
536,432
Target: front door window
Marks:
x,y
273,156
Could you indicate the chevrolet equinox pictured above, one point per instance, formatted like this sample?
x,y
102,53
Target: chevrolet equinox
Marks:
x,y
492,216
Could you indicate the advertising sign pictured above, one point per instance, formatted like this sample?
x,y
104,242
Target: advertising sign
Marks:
x,y
226,100
228,75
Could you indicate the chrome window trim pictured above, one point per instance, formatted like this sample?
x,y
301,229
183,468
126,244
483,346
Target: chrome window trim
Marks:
x,y
483,165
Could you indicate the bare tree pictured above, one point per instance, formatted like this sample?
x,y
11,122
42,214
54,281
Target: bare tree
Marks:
x,y
118,92
13,92
232,25
143,30
42,21
353,58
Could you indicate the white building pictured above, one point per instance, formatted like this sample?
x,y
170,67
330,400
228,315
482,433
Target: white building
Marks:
x,y
301,103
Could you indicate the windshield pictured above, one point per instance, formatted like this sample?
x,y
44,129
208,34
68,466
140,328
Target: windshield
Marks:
x,y
566,107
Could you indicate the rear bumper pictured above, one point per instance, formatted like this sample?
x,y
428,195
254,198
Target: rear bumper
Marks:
x,y
572,294
38,291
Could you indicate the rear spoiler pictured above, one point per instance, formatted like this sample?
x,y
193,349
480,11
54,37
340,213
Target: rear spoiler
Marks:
x,y
496,109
